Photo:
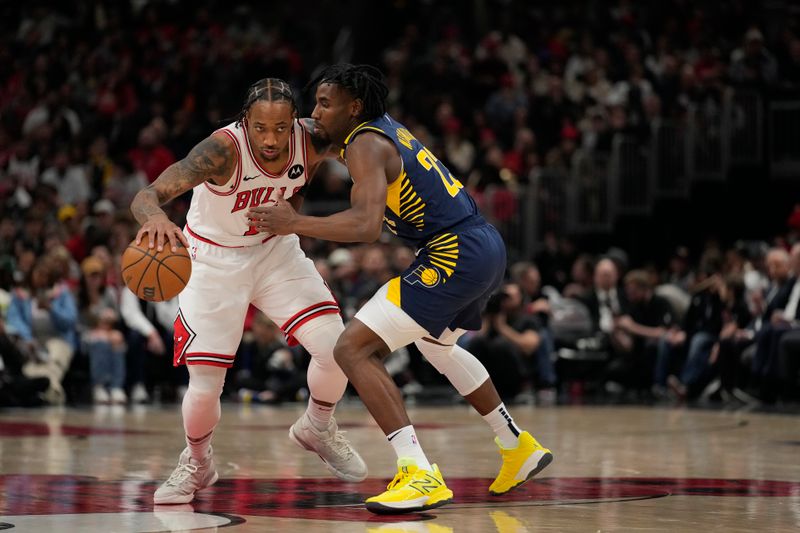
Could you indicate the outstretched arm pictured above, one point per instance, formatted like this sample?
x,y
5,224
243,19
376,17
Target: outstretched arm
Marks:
x,y
213,159
367,160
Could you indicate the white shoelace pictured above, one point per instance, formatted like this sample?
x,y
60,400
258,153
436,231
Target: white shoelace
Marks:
x,y
341,445
180,474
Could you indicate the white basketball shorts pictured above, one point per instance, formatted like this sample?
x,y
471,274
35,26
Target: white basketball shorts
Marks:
x,y
276,277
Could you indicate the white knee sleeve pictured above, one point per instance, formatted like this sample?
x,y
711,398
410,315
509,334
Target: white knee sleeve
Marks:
x,y
326,381
201,408
459,366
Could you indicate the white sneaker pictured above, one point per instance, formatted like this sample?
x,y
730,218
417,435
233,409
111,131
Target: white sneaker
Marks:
x,y
189,477
100,395
331,446
139,394
118,396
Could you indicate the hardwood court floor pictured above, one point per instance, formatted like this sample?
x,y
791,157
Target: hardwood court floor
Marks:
x,y
615,469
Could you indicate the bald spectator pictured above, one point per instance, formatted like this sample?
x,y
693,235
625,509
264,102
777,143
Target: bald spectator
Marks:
x,y
605,302
786,324
773,322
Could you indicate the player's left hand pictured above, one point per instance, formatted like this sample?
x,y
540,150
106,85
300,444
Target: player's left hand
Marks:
x,y
276,218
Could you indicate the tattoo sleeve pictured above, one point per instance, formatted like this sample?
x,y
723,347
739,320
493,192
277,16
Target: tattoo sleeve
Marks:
x,y
212,159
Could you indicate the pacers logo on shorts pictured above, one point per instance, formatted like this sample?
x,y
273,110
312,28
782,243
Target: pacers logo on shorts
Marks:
x,y
427,276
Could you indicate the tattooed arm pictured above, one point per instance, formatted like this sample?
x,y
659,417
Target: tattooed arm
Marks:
x,y
213,159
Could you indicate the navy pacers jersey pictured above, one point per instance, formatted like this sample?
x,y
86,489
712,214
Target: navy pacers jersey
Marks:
x,y
461,258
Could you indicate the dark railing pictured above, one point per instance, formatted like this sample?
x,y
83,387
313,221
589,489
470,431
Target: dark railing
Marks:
x,y
784,139
701,146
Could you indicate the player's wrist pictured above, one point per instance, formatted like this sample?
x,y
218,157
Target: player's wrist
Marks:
x,y
296,223
158,217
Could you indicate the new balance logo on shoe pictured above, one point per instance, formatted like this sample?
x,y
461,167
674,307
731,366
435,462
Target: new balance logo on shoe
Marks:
x,y
426,485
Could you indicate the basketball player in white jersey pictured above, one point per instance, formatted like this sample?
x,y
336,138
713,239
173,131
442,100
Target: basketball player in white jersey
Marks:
x,y
264,154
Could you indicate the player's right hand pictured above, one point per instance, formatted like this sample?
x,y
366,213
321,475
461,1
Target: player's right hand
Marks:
x,y
159,228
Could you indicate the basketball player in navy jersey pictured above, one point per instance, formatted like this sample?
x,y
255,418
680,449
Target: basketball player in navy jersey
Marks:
x,y
461,261
265,153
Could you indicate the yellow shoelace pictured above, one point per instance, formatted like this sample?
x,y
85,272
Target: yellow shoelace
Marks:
x,y
398,480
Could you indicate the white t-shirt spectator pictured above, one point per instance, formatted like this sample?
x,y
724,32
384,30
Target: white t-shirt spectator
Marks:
x,y
72,184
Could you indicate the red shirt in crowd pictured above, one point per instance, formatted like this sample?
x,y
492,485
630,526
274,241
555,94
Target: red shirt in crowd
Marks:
x,y
152,161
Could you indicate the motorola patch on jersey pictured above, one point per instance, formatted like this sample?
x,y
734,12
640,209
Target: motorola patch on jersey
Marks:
x,y
296,171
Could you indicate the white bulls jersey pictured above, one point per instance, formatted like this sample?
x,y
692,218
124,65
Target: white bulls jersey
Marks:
x,y
218,215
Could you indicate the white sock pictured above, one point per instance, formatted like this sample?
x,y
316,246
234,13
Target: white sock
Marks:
x,y
405,444
503,426
199,447
320,415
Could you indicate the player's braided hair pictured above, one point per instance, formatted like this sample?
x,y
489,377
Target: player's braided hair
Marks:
x,y
364,82
269,89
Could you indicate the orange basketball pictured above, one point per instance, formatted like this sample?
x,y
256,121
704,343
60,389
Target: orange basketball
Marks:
x,y
152,275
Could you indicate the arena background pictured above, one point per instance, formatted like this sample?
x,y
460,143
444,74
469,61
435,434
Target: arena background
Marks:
x,y
662,135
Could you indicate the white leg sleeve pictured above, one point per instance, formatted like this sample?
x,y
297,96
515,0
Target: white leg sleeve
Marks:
x,y
201,409
459,366
326,381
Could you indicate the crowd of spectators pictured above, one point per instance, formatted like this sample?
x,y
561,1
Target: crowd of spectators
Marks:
x,y
97,98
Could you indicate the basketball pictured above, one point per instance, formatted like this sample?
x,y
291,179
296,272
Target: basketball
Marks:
x,y
430,276
153,275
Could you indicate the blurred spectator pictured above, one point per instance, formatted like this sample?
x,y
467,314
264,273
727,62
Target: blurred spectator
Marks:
x,y
72,221
43,315
554,261
275,373
103,341
458,150
500,356
753,64
678,271
123,182
515,334
536,306
650,321
99,167
734,337
149,340
772,324
581,277
702,328
375,272
605,302
23,166
16,390
98,227
151,156
774,358
67,178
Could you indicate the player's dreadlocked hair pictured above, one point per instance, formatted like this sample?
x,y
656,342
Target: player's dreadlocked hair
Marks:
x,y
364,82
269,89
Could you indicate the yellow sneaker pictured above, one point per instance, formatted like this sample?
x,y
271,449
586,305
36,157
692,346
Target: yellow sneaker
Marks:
x,y
520,463
411,490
